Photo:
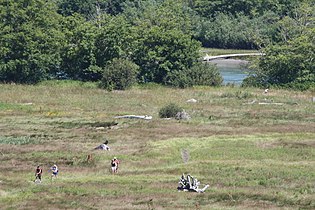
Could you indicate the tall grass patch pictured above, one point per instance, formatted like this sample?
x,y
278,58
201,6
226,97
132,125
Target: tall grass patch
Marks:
x,y
20,140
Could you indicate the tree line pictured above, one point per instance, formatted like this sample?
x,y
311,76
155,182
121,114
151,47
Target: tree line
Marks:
x,y
121,42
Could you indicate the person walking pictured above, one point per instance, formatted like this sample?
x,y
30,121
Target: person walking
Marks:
x,y
55,171
38,174
103,146
114,165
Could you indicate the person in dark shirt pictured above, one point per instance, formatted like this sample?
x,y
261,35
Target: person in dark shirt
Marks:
x,y
38,174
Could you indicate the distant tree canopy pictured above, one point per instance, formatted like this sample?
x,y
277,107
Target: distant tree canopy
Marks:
x,y
247,7
87,8
78,39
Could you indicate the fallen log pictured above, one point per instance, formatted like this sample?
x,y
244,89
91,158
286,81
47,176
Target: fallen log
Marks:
x,y
144,117
269,103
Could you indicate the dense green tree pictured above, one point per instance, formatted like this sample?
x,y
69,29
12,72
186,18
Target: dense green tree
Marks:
x,y
240,32
164,42
242,24
154,41
90,9
301,20
162,51
30,40
116,39
168,14
226,32
290,63
114,7
250,8
87,8
78,54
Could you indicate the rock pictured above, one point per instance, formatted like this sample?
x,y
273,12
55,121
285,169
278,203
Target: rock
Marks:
x,y
182,116
192,100
100,128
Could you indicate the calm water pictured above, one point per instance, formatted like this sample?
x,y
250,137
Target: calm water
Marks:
x,y
232,70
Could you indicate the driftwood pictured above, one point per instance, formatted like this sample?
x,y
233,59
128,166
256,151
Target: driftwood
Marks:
x,y
144,117
269,103
190,184
264,103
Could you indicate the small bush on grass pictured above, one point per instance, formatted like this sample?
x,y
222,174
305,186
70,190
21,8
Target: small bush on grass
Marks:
x,y
169,110
120,74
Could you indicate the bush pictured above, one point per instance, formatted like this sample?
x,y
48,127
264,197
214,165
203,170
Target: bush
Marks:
x,y
179,79
200,74
119,74
169,110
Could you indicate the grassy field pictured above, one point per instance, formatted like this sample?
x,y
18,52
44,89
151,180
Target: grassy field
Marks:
x,y
217,51
255,150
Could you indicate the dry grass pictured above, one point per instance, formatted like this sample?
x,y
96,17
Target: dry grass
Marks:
x,y
253,156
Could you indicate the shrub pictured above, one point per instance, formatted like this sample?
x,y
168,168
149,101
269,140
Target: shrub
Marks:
x,y
179,79
169,110
199,74
119,74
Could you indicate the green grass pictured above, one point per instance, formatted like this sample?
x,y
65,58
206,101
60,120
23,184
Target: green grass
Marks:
x,y
215,51
253,156
21,140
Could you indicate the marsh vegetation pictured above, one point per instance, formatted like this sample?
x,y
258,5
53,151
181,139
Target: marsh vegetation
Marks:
x,y
252,155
